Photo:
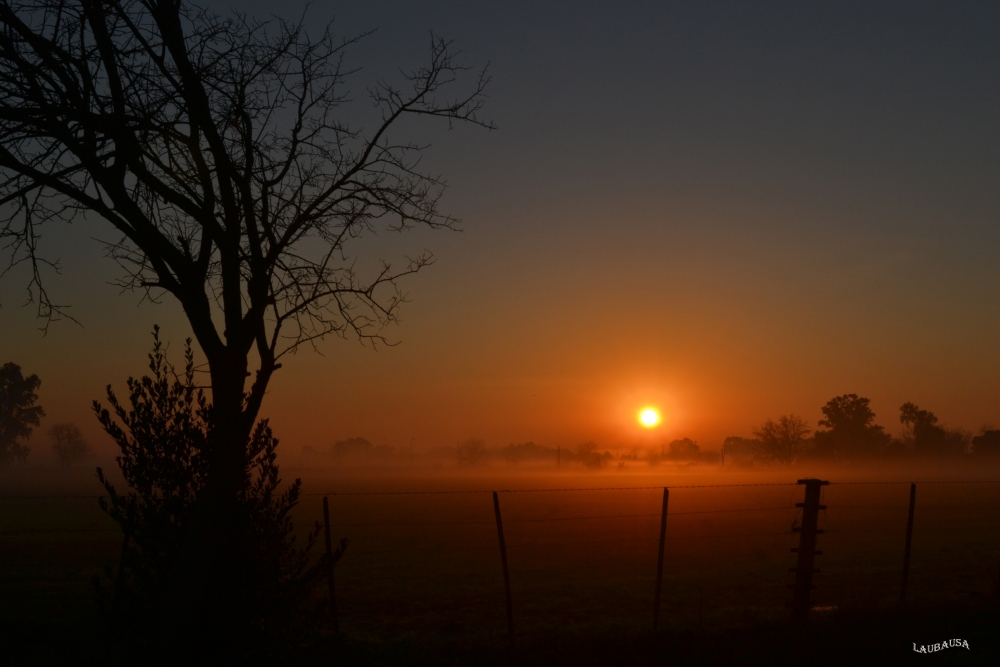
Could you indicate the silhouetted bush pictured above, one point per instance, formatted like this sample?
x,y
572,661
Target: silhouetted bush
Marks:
x,y
163,433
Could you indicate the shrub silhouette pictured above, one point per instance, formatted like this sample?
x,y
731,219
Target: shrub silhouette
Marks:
x,y
163,433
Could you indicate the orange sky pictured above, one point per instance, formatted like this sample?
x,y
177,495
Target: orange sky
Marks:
x,y
747,218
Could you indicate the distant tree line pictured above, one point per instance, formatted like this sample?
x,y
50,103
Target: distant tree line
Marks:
x,y
474,452
850,433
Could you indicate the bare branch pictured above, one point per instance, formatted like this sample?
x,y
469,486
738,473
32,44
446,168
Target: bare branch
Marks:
x,y
215,147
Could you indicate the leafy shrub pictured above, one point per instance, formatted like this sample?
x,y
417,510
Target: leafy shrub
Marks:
x,y
162,433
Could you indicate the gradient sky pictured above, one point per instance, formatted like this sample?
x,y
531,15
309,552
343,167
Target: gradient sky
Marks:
x,y
728,212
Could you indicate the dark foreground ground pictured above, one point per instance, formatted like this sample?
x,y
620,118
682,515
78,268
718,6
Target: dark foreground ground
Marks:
x,y
844,639
856,638
421,583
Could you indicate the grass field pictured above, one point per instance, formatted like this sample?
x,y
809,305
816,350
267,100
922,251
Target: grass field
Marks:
x,y
425,568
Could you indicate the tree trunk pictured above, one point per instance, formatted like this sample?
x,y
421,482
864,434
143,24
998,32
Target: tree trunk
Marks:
x,y
207,581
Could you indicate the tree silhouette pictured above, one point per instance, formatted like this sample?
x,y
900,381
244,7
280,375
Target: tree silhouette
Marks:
x,y
683,450
215,150
163,432
852,430
18,412
68,444
780,441
471,452
987,443
928,437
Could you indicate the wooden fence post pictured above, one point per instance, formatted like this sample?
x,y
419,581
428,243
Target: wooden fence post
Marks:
x,y
659,560
909,539
806,549
506,572
329,565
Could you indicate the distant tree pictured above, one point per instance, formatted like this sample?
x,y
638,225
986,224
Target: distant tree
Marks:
x,y
471,452
352,447
683,450
588,454
780,441
852,431
68,444
527,451
738,450
922,425
958,441
986,443
18,412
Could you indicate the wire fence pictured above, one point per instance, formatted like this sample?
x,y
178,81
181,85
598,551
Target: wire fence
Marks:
x,y
579,558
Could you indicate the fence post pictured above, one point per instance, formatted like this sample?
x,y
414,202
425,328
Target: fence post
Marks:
x,y
659,560
909,539
329,565
807,548
120,575
506,572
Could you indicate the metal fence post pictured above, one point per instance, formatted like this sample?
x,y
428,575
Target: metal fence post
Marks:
x,y
329,565
909,539
506,572
659,560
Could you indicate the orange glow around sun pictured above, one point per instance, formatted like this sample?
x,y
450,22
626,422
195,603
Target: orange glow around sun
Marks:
x,y
649,417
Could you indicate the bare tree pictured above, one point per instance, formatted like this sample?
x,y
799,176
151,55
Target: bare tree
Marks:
x,y
212,145
214,150
471,452
780,441
68,444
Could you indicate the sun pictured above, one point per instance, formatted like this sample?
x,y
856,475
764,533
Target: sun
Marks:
x,y
649,417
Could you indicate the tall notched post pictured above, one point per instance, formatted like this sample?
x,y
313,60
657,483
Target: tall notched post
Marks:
x,y
808,531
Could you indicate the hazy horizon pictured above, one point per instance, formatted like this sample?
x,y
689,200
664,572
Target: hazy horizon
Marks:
x,y
730,213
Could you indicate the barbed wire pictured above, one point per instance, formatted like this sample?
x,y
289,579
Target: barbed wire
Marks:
x,y
57,530
928,481
549,490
